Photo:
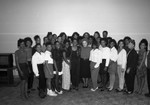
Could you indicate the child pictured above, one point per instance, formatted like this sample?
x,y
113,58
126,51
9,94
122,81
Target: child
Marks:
x,y
48,69
37,65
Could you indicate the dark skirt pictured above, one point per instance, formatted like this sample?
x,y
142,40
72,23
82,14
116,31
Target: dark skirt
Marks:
x,y
85,68
25,71
112,68
48,72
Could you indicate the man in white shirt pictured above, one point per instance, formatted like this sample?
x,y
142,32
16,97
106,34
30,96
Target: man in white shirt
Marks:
x,y
105,62
37,65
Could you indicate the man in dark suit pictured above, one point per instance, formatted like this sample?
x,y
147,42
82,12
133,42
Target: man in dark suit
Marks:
x,y
132,58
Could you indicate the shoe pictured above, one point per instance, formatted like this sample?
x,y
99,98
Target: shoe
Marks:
x,y
51,93
94,89
128,92
110,89
147,95
119,90
59,92
76,88
86,86
83,86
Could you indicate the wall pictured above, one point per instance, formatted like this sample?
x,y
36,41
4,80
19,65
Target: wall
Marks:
x,y
21,18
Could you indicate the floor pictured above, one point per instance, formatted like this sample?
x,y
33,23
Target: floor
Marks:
x,y
9,95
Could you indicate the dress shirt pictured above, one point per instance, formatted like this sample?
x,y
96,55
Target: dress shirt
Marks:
x,y
122,58
113,54
48,57
96,56
37,58
105,54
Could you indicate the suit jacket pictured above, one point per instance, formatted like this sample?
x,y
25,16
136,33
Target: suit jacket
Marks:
x,y
132,60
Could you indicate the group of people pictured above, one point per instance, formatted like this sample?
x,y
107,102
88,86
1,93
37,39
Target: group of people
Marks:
x,y
62,62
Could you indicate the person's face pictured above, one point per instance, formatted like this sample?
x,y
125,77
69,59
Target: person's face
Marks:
x,y
28,43
59,39
86,36
55,36
63,37
75,36
49,37
52,41
84,43
142,46
96,35
57,45
126,42
45,40
22,45
103,43
49,47
104,35
94,46
38,41
98,40
67,44
130,46
90,40
121,45
38,48
75,42
112,44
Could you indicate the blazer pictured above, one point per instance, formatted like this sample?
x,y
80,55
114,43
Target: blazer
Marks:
x,y
132,60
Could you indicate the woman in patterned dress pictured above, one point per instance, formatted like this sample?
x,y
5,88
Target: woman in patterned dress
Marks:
x,y
141,68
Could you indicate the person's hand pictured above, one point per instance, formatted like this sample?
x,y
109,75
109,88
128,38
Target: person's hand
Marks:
x,y
138,67
105,69
21,73
68,63
128,70
122,70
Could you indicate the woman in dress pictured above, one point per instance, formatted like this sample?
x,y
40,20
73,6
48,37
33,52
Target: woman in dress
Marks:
x,y
28,43
66,66
141,67
75,64
148,73
22,67
121,64
85,63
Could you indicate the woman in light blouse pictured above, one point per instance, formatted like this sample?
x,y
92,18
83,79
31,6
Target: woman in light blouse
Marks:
x,y
121,64
96,59
112,68
48,69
